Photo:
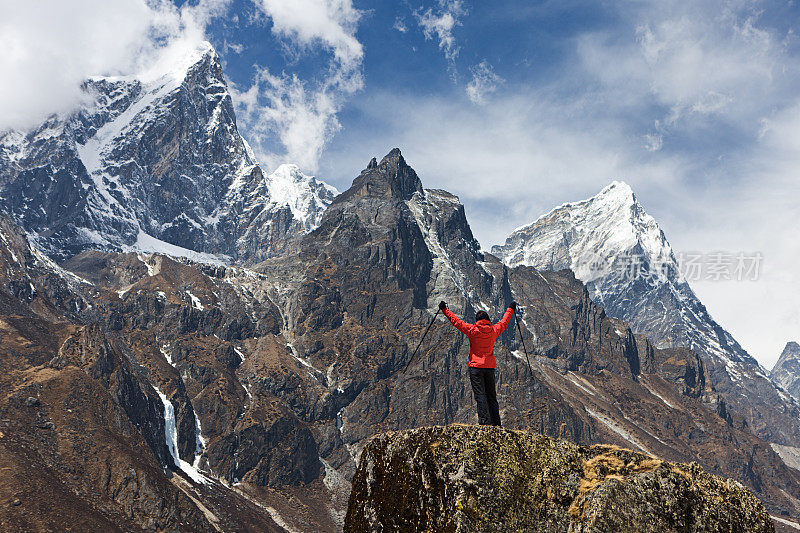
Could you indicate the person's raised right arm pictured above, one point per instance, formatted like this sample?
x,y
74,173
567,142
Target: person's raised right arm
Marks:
x,y
460,325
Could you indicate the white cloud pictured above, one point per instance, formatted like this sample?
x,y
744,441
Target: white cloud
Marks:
x,y
400,25
234,48
484,82
308,23
439,24
696,64
50,48
282,110
301,115
698,60
653,142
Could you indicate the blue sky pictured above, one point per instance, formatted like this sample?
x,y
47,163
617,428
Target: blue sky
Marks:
x,y
521,106
515,106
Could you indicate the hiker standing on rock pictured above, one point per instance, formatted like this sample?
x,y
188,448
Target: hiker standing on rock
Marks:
x,y
482,335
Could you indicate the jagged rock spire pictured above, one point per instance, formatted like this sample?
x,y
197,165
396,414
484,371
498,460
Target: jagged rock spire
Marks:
x,y
392,177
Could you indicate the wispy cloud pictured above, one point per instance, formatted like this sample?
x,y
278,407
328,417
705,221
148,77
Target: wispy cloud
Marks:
x,y
698,61
484,82
438,24
50,48
311,23
290,119
653,142
400,25
233,48
286,120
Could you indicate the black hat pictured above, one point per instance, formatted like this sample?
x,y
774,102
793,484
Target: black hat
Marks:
x,y
481,315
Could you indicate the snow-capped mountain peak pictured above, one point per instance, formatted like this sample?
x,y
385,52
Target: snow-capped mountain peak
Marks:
x,y
618,191
155,157
614,246
591,236
305,196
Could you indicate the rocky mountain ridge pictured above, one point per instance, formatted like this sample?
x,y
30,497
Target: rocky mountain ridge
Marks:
x,y
630,269
166,376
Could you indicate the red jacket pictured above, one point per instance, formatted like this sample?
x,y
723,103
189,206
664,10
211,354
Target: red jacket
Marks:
x,y
481,337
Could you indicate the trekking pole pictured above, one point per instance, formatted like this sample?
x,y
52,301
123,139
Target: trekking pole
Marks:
x,y
422,339
523,341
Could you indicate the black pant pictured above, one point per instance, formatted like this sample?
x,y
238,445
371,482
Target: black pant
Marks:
x,y
482,380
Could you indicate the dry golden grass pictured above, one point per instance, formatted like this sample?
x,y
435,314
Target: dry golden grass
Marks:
x,y
607,466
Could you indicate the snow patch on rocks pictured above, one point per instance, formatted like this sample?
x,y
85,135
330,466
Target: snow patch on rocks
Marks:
x,y
171,438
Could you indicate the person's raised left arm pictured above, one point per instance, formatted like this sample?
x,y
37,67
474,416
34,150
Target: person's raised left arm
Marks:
x,y
501,326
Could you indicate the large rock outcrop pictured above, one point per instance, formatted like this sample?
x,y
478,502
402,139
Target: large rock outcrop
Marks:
x,y
474,478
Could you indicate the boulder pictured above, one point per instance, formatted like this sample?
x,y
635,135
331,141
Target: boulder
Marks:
x,y
478,478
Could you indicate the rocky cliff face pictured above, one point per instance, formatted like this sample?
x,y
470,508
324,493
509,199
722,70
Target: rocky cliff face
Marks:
x,y
623,257
468,478
126,401
84,434
358,297
256,389
155,162
278,376
786,371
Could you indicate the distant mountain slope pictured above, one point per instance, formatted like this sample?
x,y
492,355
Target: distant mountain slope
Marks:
x,y
629,267
154,157
786,371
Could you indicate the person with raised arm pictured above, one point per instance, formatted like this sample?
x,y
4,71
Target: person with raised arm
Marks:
x,y
482,336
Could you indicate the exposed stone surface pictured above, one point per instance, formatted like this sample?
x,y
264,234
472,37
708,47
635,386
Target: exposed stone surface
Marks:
x,y
472,478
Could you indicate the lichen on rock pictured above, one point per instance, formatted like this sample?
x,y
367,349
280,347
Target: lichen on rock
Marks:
x,y
463,478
